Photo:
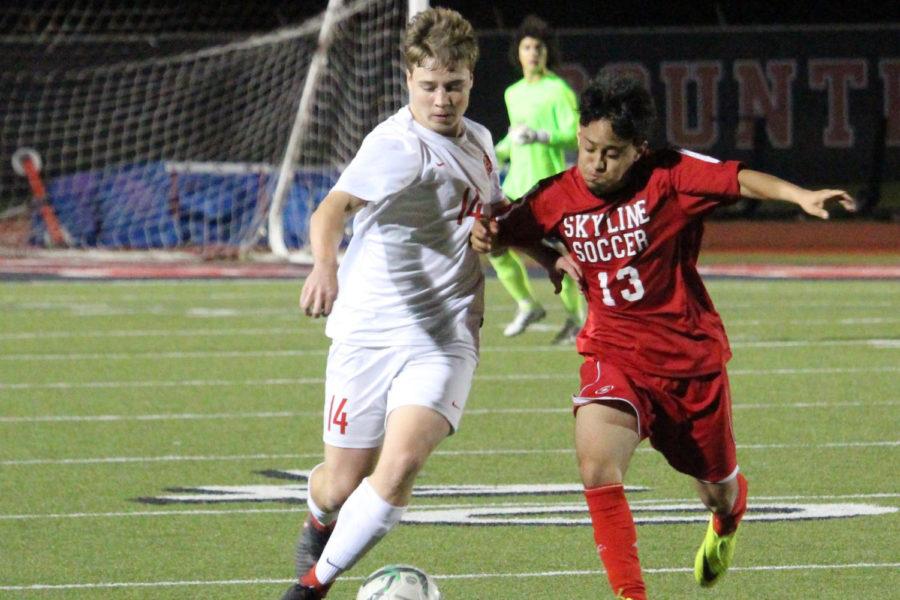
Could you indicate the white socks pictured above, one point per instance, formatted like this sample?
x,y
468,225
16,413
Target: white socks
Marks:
x,y
365,519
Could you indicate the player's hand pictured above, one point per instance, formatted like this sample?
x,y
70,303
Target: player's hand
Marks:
x,y
566,265
522,134
483,235
319,291
815,201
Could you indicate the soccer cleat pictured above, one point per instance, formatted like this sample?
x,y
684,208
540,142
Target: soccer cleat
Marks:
x,y
568,334
714,556
302,592
524,318
311,544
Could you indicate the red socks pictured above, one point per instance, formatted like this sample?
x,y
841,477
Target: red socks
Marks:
x,y
310,581
616,539
726,525
318,525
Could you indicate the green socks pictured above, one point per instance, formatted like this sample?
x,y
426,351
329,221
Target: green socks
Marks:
x,y
512,274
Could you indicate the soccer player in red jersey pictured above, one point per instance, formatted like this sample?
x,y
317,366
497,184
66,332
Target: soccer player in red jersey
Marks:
x,y
654,346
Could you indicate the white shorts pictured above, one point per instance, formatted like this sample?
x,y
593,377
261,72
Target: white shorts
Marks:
x,y
363,385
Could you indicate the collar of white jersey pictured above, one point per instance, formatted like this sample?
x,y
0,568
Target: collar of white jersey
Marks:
x,y
430,135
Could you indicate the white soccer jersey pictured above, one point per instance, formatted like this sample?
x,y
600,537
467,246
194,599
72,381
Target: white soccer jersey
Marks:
x,y
408,276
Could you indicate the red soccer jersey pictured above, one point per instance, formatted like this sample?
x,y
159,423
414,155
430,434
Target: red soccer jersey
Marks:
x,y
647,306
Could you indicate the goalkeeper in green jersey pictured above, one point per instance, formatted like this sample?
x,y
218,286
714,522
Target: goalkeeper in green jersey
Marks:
x,y
543,119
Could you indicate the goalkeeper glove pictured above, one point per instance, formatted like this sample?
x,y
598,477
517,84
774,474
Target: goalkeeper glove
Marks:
x,y
523,134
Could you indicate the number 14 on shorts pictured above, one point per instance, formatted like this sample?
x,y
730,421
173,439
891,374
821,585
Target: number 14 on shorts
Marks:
x,y
337,416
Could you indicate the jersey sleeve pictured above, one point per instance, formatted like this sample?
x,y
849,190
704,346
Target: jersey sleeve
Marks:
x,y
565,116
529,220
701,183
384,165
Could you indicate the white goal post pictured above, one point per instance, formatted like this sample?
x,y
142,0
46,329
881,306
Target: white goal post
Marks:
x,y
301,124
186,140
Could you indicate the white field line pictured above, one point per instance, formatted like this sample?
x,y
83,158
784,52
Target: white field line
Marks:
x,y
320,380
290,290
102,309
136,333
854,321
79,290
142,283
289,297
286,414
228,284
796,497
881,344
534,574
160,417
298,329
157,459
215,512
105,309
161,355
877,444
316,455
799,304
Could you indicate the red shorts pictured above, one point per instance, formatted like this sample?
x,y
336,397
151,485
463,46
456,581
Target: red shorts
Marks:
x,y
687,419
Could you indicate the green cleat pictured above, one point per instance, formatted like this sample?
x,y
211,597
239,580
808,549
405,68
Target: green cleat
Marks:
x,y
713,557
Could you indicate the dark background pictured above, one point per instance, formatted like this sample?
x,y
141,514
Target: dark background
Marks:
x,y
250,15
37,35
640,13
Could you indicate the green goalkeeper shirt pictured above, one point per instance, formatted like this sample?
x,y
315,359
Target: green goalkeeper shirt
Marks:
x,y
549,105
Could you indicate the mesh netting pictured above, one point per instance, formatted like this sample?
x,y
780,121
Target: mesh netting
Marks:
x,y
178,144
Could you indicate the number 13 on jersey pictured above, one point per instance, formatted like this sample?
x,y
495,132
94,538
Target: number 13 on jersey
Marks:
x,y
633,292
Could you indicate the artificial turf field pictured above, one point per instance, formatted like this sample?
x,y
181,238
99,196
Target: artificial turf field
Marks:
x,y
114,392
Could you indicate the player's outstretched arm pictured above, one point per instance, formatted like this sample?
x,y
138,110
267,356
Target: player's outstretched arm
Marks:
x,y
762,186
565,118
326,229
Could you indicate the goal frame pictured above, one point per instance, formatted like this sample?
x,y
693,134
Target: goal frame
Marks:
x,y
275,221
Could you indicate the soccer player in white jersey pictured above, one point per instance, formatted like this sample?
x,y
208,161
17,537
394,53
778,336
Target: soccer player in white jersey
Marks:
x,y
406,304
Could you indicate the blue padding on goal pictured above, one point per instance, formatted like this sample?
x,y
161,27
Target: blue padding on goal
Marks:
x,y
217,209
73,200
144,206
134,206
122,208
310,188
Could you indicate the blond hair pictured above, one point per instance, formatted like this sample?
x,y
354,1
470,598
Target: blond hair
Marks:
x,y
443,35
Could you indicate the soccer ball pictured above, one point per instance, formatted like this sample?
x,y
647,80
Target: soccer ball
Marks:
x,y
399,582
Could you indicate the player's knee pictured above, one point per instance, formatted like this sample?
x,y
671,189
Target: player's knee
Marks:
x,y
717,505
331,489
719,498
598,471
396,473
334,496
